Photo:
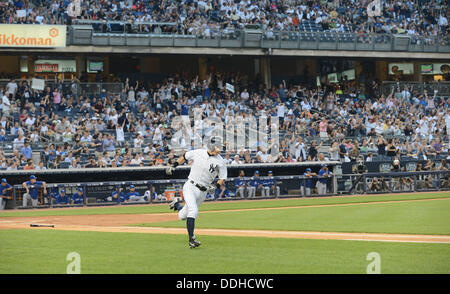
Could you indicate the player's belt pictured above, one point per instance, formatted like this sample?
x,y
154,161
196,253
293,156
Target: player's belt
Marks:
x,y
200,187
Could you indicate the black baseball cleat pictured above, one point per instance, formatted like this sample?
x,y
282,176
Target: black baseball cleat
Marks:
x,y
193,243
174,202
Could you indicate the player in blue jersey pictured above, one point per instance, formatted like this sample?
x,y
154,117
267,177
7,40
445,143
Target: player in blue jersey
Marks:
x,y
254,184
269,186
78,197
62,198
306,183
240,184
5,193
134,196
32,188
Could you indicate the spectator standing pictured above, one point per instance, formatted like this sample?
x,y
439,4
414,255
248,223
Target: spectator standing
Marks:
x,y
6,105
26,150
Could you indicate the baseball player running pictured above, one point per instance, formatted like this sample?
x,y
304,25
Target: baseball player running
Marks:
x,y
206,166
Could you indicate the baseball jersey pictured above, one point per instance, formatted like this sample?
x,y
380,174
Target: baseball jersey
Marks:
x,y
121,197
34,188
239,182
268,182
307,182
60,199
323,173
255,182
4,188
129,194
77,199
205,168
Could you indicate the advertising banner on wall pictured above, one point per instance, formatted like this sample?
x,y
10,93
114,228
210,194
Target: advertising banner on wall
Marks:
x,y
32,36
63,65
401,68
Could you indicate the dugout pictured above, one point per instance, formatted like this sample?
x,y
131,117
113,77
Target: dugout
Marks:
x,y
157,173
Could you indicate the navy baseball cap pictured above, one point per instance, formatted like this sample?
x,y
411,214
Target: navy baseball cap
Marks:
x,y
62,191
32,177
323,164
3,180
131,186
269,172
256,172
80,189
308,169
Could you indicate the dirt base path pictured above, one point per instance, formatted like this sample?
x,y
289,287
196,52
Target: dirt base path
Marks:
x,y
243,233
122,222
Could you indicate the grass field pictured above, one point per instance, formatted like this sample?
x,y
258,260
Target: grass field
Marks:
x,y
394,217
45,251
127,253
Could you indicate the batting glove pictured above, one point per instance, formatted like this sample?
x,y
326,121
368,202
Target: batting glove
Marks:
x,y
171,169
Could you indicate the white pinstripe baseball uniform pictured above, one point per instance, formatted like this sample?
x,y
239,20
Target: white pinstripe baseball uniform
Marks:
x,y
204,170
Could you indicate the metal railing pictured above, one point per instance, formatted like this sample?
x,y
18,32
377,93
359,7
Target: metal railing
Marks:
x,y
442,87
160,191
254,38
393,182
79,88
157,191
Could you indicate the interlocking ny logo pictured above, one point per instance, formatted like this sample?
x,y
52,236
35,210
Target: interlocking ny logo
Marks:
x,y
211,168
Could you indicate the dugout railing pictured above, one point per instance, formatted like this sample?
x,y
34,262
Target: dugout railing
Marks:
x,y
393,182
162,191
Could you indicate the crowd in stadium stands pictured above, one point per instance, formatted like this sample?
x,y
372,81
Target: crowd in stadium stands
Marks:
x,y
133,127
204,17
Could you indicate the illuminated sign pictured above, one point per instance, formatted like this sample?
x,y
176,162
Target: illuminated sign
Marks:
x,y
44,36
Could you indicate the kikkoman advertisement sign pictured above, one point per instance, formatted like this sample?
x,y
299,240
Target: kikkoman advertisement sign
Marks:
x,y
32,36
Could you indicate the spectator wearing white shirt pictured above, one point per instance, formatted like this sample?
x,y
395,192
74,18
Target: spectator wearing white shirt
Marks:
x,y
236,160
245,95
6,105
11,88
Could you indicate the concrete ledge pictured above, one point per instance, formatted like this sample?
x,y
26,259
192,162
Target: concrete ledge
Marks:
x,y
232,51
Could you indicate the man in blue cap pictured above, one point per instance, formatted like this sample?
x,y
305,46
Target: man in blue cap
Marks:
x,y
117,195
32,188
269,186
61,198
5,190
78,197
324,175
134,196
254,184
306,183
